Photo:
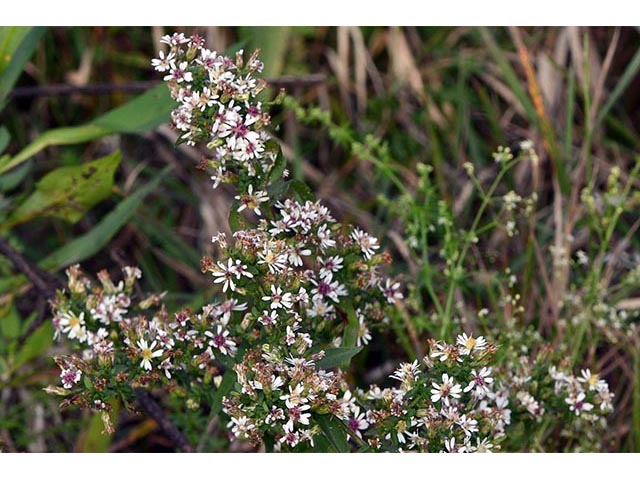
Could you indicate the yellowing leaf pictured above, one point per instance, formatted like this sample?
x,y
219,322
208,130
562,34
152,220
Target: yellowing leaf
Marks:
x,y
68,192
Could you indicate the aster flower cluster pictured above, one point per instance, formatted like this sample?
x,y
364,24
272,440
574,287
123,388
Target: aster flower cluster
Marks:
x,y
312,286
447,402
218,106
279,395
309,273
543,388
123,342
544,391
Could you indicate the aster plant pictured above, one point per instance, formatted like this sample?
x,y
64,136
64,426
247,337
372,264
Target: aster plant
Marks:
x,y
300,294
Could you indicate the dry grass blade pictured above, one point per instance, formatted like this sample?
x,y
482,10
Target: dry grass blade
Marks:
x,y
403,63
549,75
599,85
360,55
538,104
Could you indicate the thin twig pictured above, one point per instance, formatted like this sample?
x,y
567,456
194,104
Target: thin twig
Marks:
x,y
151,407
57,90
44,282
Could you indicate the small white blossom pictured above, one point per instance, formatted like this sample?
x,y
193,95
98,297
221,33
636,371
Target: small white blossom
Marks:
x,y
147,353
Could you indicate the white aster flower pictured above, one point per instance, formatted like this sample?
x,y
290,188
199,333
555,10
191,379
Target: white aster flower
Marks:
x,y
448,389
69,377
367,243
224,274
470,344
147,353
252,200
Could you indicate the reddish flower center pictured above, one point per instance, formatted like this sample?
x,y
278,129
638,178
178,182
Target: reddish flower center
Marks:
x,y
240,130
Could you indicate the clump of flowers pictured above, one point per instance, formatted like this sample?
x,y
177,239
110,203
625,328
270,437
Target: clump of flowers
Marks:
x,y
447,402
218,105
294,285
125,342
545,391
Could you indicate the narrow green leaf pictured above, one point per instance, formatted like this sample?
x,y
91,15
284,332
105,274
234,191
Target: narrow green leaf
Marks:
x,y
273,43
36,345
236,222
303,191
92,440
9,323
93,241
4,138
17,60
10,39
636,402
56,136
68,192
571,106
337,356
10,326
278,189
333,432
515,84
276,171
628,76
141,114
12,179
350,335
228,381
164,236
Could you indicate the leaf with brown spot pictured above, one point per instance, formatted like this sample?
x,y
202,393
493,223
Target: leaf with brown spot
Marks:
x,y
68,192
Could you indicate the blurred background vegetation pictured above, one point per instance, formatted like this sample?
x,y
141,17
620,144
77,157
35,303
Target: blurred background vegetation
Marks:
x,y
436,96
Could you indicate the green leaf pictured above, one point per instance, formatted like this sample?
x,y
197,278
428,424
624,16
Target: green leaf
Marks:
x,y
236,222
227,383
4,138
276,171
511,77
333,432
141,114
303,191
337,356
10,38
636,401
17,57
68,192
629,75
56,136
9,323
12,179
350,335
36,345
273,43
92,440
97,238
277,190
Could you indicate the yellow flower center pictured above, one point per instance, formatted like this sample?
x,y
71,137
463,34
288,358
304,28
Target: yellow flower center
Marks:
x,y
470,343
251,202
147,354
